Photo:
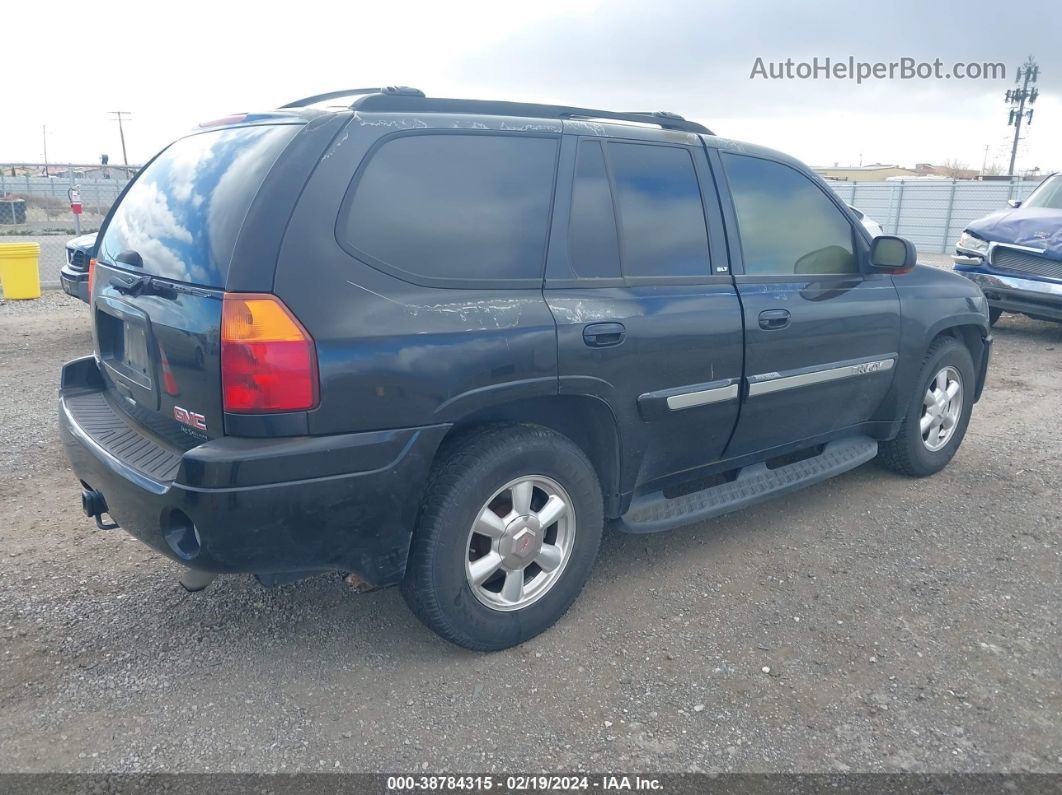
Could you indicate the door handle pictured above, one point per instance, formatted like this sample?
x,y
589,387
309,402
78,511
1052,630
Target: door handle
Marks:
x,y
771,319
603,335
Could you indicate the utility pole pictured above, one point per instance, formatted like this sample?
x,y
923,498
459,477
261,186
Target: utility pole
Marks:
x,y
119,115
1017,99
984,163
44,133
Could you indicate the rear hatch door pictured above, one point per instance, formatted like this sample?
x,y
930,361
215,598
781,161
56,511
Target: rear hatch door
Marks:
x,y
161,272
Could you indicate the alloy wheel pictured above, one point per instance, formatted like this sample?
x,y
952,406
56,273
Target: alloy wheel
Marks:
x,y
520,542
941,409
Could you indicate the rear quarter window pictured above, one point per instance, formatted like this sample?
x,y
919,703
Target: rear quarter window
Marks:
x,y
456,208
185,210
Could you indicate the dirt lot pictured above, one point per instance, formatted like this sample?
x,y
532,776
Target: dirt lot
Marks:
x,y
868,623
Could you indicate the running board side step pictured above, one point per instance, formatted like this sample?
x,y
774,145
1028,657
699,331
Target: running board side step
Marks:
x,y
652,513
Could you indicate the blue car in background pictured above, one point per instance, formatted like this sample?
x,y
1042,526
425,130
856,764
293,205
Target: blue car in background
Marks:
x,y
1015,255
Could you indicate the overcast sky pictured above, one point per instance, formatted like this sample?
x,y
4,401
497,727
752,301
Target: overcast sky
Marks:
x,y
200,60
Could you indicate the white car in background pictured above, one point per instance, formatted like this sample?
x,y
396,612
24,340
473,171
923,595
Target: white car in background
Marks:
x,y
869,223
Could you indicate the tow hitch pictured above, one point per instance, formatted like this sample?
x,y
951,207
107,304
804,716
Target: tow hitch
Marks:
x,y
93,504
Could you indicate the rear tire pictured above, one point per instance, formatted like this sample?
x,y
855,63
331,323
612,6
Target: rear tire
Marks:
x,y
473,575
993,315
935,424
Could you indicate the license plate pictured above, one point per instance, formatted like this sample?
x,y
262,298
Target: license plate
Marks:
x,y
134,350
122,333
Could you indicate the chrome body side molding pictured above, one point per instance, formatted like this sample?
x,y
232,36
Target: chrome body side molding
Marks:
x,y
662,403
702,397
767,383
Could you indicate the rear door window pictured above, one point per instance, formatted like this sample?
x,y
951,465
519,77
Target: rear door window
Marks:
x,y
453,207
183,214
662,228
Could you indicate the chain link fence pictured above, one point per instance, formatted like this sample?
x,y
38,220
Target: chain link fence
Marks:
x,y
35,205
36,200
36,208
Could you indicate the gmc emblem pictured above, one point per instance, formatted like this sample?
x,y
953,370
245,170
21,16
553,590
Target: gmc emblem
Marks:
x,y
189,418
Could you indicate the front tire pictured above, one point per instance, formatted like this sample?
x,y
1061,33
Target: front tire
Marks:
x,y
507,534
937,415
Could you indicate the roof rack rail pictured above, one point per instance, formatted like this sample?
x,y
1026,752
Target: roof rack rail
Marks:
x,y
405,91
662,114
662,118
413,101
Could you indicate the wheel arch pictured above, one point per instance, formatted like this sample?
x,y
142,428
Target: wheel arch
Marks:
x,y
587,421
970,330
975,338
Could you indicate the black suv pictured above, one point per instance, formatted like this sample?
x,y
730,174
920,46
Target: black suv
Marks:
x,y
438,343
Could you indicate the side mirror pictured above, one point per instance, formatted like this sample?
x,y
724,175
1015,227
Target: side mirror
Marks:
x,y
1015,203
890,254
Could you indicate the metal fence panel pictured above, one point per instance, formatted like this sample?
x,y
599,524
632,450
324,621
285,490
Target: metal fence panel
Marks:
x,y
931,213
48,219
46,193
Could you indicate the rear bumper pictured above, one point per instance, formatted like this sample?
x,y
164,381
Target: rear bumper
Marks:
x,y
1040,298
264,506
74,283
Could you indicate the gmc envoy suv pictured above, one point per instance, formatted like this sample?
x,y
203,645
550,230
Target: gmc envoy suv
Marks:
x,y
438,343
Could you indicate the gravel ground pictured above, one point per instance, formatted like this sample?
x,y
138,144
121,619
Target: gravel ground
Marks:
x,y
869,623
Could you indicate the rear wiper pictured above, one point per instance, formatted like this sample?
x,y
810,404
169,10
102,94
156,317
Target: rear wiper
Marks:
x,y
145,285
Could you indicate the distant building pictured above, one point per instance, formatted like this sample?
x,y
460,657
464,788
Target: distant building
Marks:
x,y
949,172
875,172
87,172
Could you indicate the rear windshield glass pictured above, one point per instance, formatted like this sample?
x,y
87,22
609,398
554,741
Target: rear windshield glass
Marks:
x,y
183,213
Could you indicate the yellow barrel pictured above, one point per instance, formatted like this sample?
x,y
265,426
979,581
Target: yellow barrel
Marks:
x,y
18,270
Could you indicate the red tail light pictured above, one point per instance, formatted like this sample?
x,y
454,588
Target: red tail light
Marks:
x,y
91,276
268,361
